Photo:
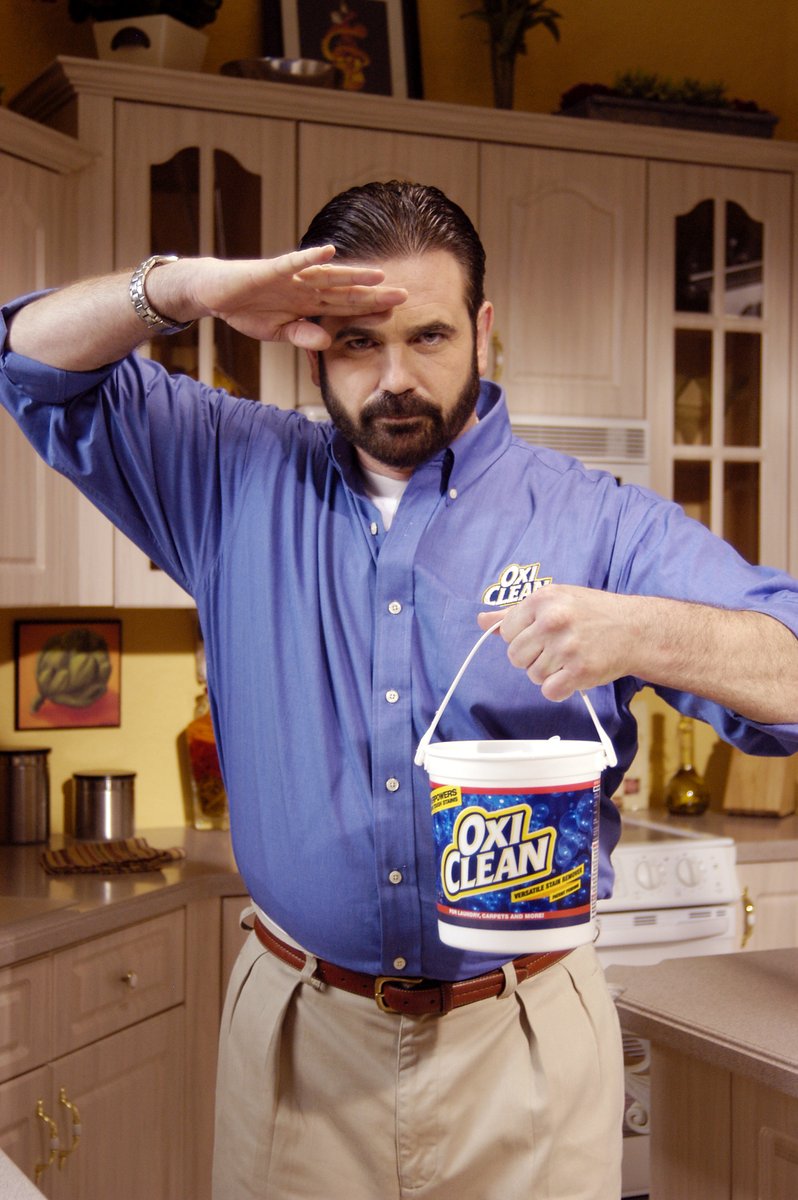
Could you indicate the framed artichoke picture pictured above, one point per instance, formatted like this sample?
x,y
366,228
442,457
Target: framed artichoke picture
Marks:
x,y
68,674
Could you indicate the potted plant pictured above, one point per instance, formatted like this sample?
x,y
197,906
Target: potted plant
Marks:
x,y
159,32
508,23
642,97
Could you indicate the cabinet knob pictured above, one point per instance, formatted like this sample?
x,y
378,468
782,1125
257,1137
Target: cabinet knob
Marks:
x,y
749,917
131,979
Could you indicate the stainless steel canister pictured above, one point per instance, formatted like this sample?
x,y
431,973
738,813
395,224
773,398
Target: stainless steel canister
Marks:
x,y
102,805
24,796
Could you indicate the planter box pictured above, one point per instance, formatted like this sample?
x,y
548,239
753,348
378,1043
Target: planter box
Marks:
x,y
155,41
677,116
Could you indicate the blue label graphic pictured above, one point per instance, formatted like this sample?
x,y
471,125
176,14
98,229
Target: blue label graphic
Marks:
x,y
516,859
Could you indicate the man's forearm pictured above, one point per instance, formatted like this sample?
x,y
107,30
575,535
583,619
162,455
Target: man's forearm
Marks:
x,y
568,638
746,661
92,323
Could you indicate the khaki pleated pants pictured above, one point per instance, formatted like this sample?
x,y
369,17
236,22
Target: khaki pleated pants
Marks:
x,y
321,1096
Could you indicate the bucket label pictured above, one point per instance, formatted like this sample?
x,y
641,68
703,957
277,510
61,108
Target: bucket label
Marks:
x,y
516,859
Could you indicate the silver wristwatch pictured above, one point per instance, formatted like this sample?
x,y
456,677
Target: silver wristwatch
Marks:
x,y
138,297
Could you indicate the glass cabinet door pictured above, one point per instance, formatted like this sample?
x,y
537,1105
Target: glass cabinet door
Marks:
x,y
191,183
718,361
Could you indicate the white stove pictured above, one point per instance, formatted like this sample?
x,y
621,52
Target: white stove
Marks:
x,y
676,895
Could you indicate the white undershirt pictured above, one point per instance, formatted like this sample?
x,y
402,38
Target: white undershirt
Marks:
x,y
385,493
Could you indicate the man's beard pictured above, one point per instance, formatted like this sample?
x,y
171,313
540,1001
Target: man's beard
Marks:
x,y
409,442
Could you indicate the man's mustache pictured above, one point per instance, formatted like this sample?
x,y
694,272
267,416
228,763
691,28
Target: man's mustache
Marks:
x,y
402,404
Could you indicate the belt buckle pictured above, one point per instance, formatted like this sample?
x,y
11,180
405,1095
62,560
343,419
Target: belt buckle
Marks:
x,y
401,981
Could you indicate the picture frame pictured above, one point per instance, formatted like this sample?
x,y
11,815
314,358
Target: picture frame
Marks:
x,y
67,674
374,43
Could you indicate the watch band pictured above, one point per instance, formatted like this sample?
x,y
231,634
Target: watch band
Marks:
x,y
138,297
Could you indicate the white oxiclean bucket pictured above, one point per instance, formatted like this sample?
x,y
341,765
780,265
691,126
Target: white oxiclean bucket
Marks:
x,y
516,837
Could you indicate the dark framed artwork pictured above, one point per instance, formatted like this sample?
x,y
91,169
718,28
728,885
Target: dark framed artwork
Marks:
x,y
68,674
374,44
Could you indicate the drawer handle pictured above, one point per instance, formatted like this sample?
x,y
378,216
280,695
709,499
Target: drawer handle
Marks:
x,y
52,1141
75,1129
749,917
131,979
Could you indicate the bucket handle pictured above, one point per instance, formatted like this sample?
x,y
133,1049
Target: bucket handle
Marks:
x,y
607,746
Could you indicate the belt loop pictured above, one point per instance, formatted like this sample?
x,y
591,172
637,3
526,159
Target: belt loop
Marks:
x,y
510,980
308,972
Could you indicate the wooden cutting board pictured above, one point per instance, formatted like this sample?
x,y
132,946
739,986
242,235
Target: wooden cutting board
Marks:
x,y
761,786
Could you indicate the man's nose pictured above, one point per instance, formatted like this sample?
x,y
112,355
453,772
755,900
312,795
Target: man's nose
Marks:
x,y
396,373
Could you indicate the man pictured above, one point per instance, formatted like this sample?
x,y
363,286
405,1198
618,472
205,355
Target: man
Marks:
x,y
340,572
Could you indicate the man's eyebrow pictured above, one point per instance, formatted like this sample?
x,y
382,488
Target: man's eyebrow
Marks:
x,y
372,331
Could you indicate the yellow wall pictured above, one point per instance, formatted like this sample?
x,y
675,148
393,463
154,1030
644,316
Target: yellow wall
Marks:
x,y
751,47
158,692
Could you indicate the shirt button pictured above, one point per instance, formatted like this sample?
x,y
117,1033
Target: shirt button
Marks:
x,y
392,784
452,493
374,527
391,696
394,608
395,877
399,963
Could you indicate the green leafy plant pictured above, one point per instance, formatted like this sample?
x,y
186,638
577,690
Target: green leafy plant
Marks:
x,y
647,85
508,23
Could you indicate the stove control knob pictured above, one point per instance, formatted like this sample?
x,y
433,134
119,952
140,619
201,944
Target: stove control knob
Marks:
x,y
645,874
688,872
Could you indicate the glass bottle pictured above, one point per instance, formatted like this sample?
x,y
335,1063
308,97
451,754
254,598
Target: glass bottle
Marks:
x,y
687,793
209,799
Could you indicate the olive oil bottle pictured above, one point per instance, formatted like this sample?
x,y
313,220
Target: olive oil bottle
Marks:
x,y
687,793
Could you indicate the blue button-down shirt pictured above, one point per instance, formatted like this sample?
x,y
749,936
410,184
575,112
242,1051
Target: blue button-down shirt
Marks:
x,y
331,646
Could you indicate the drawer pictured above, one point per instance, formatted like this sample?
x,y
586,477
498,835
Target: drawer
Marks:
x,y
25,1035
110,982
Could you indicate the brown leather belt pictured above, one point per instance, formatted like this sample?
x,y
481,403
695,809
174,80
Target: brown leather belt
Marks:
x,y
414,997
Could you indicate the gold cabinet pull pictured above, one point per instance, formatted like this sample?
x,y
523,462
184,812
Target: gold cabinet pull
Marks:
x,y
749,917
52,1141
131,979
75,1128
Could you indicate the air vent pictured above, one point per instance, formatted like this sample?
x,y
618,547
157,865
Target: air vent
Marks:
x,y
593,441
645,919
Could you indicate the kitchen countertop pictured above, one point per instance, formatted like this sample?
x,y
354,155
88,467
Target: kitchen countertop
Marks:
x,y
758,838
41,912
735,1011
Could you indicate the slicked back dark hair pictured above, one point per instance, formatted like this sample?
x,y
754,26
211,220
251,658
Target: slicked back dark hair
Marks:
x,y
378,221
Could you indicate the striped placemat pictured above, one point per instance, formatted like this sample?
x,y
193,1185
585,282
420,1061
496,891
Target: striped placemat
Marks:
x,y
119,856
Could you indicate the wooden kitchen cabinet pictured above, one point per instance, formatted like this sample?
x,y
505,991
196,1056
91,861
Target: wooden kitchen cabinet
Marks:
x,y
564,234
54,547
580,219
718,340
102,1025
770,905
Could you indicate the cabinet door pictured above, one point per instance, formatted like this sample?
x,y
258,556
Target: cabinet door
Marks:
x,y
331,160
28,1128
718,368
764,1142
54,548
125,1094
199,183
772,889
564,236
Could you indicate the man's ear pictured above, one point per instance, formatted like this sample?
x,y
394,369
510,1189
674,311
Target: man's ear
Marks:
x,y
484,324
313,363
